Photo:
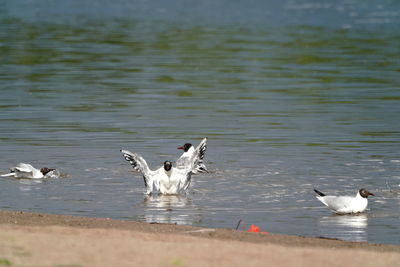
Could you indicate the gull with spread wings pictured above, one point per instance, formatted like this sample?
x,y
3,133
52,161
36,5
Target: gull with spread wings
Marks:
x,y
167,179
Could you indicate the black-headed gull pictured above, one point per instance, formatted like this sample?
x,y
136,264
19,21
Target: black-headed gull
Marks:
x,y
346,204
188,150
167,179
24,170
184,159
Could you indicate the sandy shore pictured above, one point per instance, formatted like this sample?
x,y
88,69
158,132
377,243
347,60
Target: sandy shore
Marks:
x,y
33,239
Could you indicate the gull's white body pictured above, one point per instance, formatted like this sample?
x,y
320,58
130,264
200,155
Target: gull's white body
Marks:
x,y
173,181
164,182
345,204
185,158
27,171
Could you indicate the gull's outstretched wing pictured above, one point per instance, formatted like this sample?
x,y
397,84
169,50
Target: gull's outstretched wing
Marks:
x,y
140,165
22,167
22,170
198,160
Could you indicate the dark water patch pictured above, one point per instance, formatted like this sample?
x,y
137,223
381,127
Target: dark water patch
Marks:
x,y
316,144
335,102
183,93
40,90
312,59
5,106
82,108
165,79
380,134
389,98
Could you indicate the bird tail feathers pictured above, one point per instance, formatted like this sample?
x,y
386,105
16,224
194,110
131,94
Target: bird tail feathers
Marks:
x,y
319,193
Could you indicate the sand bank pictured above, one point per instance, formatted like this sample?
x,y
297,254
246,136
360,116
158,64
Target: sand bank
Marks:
x,y
33,239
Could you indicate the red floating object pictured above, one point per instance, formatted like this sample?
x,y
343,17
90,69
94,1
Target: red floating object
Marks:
x,y
255,229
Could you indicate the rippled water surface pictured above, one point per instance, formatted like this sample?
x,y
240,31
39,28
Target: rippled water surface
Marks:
x,y
293,95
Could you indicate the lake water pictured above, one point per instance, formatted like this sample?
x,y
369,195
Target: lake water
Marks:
x,y
293,95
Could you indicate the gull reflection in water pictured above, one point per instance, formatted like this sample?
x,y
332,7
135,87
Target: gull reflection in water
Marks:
x,y
170,209
347,227
29,184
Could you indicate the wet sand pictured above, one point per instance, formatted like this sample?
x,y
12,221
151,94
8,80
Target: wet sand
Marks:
x,y
34,239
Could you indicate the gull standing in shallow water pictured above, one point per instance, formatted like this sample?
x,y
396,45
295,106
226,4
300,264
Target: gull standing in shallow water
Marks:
x,y
346,204
24,170
167,179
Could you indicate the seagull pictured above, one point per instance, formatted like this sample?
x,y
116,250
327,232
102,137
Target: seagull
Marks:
x,y
188,150
24,170
167,179
346,204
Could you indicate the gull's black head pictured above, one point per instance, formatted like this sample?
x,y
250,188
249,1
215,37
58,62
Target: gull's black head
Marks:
x,y
167,165
46,170
365,193
185,147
